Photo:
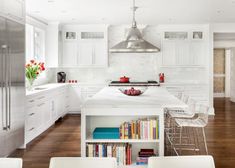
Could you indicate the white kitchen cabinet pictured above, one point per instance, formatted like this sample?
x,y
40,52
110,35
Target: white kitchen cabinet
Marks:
x,y
88,49
75,99
183,48
14,9
198,53
43,110
86,54
69,58
100,54
168,53
92,53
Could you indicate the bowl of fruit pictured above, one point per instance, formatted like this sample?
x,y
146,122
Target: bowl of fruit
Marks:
x,y
132,91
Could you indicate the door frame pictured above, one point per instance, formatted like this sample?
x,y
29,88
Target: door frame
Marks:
x,y
228,53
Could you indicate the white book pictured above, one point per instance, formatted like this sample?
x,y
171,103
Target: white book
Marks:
x,y
109,151
117,155
100,150
124,155
90,150
120,155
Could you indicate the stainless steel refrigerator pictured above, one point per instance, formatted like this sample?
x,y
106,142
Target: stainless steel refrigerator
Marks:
x,y
12,85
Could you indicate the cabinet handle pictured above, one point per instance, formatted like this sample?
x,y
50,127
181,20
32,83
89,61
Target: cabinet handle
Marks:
x,y
41,104
31,101
31,129
41,97
31,114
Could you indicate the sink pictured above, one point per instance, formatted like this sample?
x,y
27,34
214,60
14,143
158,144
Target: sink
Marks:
x,y
40,88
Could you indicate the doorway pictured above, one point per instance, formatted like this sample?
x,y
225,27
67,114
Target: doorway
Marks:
x,y
223,54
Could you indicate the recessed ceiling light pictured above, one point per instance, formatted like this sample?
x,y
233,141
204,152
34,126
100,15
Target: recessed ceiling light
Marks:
x,y
220,11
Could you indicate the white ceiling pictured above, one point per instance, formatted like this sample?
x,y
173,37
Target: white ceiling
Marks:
x,y
118,11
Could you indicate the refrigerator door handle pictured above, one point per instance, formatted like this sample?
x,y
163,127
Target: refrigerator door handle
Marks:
x,y
4,88
9,88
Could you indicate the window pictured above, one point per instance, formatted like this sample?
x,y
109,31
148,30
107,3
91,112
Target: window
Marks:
x,y
35,43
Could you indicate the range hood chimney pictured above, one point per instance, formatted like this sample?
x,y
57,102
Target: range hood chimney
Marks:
x,y
134,42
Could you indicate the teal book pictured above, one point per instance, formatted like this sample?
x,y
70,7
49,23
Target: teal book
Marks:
x,y
106,133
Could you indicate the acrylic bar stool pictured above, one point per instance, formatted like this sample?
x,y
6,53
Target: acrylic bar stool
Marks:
x,y
173,133
194,124
184,98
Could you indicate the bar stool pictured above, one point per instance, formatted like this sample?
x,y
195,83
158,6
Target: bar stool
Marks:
x,y
195,123
172,132
182,97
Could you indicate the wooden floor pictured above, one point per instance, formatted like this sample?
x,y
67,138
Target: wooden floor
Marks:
x,y
63,139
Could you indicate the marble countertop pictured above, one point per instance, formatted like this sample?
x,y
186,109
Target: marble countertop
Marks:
x,y
44,88
153,97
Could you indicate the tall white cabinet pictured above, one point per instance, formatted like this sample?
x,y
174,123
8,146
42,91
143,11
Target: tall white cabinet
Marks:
x,y
85,46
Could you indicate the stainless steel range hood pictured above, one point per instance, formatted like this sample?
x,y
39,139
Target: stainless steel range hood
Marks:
x,y
134,42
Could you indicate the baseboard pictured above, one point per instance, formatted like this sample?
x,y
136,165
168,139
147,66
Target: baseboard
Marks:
x,y
219,94
232,99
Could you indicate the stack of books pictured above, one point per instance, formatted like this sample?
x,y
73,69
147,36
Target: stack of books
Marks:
x,y
143,156
122,152
140,129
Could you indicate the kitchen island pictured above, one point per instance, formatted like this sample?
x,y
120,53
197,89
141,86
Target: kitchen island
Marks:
x,y
110,108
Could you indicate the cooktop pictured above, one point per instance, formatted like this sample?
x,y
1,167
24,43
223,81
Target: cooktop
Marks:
x,y
134,83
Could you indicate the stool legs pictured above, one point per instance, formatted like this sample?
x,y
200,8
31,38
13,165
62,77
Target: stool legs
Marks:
x,y
204,139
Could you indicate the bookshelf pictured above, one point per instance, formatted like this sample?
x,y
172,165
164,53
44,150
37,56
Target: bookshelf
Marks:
x,y
114,117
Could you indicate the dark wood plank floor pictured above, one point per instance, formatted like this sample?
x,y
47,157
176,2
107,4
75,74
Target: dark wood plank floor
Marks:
x,y
63,139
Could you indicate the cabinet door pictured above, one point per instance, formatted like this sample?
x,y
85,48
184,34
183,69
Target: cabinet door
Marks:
x,y
53,104
75,98
169,53
69,57
198,53
183,53
100,54
86,54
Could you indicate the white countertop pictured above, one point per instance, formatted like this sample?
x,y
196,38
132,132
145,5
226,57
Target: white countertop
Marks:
x,y
153,97
45,88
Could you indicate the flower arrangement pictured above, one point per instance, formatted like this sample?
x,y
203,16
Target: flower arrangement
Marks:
x,y
32,71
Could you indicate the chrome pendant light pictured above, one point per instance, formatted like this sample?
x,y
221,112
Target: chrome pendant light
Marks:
x,y
134,42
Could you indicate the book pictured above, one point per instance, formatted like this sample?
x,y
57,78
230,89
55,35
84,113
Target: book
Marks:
x,y
147,128
122,152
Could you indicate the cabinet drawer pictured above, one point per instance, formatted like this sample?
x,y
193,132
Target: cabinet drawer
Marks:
x,y
31,122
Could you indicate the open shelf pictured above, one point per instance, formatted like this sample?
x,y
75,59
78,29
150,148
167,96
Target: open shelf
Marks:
x,y
90,140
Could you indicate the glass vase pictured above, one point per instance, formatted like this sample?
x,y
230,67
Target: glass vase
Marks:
x,y
30,84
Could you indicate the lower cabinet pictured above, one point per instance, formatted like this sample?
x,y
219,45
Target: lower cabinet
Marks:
x,y
43,110
78,94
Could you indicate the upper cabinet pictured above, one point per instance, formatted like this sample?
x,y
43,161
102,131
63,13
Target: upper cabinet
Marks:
x,y
13,9
85,46
183,48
